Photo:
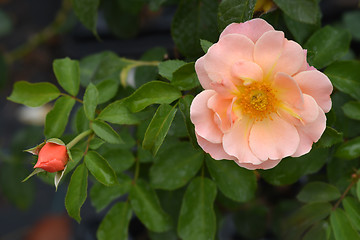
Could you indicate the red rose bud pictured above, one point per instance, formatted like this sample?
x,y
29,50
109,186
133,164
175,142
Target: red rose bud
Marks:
x,y
52,157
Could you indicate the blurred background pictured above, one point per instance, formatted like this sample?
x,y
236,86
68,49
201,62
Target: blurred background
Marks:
x,y
33,210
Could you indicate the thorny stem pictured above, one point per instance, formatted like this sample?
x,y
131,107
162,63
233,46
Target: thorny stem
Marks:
x,y
354,178
78,138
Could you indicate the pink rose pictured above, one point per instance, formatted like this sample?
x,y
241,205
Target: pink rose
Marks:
x,y
53,157
262,101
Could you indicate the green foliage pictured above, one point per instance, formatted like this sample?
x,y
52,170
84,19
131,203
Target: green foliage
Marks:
x,y
67,73
352,22
106,132
205,45
306,11
349,150
86,11
352,110
234,11
184,106
167,68
330,137
341,226
33,94
107,89
352,210
318,192
185,77
118,112
100,168
318,231
90,101
301,31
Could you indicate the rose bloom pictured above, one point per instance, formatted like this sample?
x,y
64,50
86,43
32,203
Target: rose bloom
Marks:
x,y
262,101
53,157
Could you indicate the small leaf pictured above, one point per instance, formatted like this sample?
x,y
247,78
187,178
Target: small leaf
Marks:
x,y
57,118
237,11
352,110
330,137
119,159
106,132
36,171
77,192
306,11
225,173
58,176
151,93
327,45
90,101
351,20
118,112
175,166
197,217
147,208
95,143
86,11
301,31
318,231
205,45
185,77
349,150
158,128
100,168
116,223
184,106
342,227
67,73
318,192
352,209
167,68
107,90
33,94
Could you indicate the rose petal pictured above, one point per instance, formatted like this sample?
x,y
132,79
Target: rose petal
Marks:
x,y
247,72
317,85
273,139
253,29
204,79
215,150
220,106
236,142
291,58
288,90
203,117
264,165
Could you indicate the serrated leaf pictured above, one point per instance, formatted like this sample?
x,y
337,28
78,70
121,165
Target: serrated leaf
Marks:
x,y
341,226
33,94
349,150
175,166
107,90
352,110
185,77
86,11
100,168
158,128
327,45
329,138
77,192
225,173
106,132
352,209
306,11
197,217
237,11
152,93
67,73
57,118
147,208
167,68
116,223
318,192
90,101
205,45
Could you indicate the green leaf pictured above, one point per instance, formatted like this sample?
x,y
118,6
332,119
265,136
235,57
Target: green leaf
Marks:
x,y
225,173
158,128
289,170
95,143
352,110
358,189
349,150
327,45
86,11
318,192
147,208
57,118
101,196
303,218
197,217
301,31
151,93
237,11
167,68
100,168
119,159
318,231
205,45
306,11
81,122
106,132
194,20
77,192
342,227
175,166
185,77
116,223
345,77
67,73
330,137
118,113
107,90
351,20
90,101
184,106
33,94
352,209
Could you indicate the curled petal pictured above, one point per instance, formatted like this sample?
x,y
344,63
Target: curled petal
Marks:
x,y
215,150
220,107
264,165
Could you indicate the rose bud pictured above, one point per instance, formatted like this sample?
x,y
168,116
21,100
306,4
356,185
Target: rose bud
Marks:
x,y
53,157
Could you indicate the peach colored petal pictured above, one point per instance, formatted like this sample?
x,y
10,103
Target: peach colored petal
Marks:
x,y
288,90
204,79
236,142
268,49
253,29
203,117
305,66
221,56
273,139
225,88
264,165
220,106
310,133
291,58
215,150
247,72
317,85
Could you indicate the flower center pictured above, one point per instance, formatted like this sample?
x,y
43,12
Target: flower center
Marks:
x,y
257,100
